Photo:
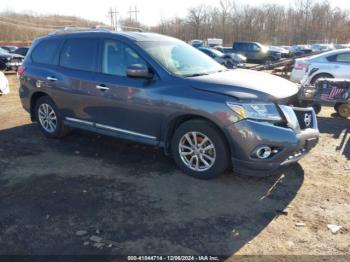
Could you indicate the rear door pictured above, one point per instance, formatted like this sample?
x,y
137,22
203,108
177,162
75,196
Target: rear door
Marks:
x,y
41,67
342,65
76,79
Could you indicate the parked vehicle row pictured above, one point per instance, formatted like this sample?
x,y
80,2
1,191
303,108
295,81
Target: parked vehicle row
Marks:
x,y
331,64
158,90
11,61
16,50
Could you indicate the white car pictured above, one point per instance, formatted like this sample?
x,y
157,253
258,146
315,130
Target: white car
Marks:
x,y
4,84
332,64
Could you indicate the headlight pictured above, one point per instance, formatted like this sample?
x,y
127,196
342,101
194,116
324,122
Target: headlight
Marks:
x,y
267,112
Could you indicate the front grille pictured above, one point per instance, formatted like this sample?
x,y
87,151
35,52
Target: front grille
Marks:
x,y
17,60
305,117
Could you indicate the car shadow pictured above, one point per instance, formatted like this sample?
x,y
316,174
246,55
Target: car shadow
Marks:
x,y
130,195
339,128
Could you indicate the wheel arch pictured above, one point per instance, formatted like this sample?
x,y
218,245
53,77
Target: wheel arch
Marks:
x,y
314,78
175,122
33,99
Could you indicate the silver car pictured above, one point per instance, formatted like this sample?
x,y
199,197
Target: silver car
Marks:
x,y
332,64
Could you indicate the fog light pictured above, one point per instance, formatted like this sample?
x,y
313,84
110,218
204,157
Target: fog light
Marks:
x,y
263,152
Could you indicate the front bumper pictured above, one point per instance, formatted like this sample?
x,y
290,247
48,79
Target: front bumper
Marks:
x,y
291,144
13,65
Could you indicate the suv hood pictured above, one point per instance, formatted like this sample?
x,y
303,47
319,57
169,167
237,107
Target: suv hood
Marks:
x,y
10,55
246,84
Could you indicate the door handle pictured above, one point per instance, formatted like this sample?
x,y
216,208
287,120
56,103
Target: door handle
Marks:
x,y
102,87
52,79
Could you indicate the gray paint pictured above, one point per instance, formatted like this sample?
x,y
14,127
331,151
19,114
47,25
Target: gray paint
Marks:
x,y
143,110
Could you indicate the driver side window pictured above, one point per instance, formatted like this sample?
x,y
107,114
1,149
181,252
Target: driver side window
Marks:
x,y
117,57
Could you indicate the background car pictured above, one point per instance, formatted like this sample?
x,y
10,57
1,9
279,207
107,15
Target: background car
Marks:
x,y
332,64
12,61
256,52
239,58
285,53
196,43
4,84
10,48
21,51
221,58
301,49
322,47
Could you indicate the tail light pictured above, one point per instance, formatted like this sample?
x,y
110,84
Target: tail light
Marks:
x,y
21,71
301,66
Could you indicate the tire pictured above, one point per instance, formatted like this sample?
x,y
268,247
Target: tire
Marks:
x,y
344,110
268,61
317,108
229,65
57,129
316,77
219,154
336,106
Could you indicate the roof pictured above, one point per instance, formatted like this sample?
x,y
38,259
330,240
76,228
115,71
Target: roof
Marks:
x,y
133,36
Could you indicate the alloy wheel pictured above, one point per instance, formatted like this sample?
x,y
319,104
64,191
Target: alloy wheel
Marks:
x,y
47,118
197,151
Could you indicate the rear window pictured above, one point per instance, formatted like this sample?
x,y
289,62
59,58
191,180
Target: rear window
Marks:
x,y
80,54
46,52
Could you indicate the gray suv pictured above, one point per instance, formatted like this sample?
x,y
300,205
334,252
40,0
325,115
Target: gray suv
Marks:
x,y
160,91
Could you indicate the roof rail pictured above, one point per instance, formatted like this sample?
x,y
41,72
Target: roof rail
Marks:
x,y
137,29
72,29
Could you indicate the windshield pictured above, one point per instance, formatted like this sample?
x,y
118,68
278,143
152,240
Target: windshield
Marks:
x,y
181,59
3,51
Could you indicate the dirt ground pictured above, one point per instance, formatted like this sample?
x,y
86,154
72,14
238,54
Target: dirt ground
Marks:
x,y
57,194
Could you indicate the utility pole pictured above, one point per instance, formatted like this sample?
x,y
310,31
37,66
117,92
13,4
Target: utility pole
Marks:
x,y
136,11
131,12
113,16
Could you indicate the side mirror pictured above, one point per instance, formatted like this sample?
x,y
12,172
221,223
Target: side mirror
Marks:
x,y
138,71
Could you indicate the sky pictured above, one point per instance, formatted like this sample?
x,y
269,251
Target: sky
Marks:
x,y
150,11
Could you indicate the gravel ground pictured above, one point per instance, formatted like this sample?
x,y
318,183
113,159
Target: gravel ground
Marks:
x,y
90,194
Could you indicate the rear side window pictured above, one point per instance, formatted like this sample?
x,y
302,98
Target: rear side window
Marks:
x,y
46,52
80,54
344,58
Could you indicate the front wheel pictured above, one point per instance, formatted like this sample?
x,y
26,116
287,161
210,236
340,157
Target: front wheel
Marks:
x,y
199,149
344,110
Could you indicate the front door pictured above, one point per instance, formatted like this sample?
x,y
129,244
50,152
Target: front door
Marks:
x,y
127,106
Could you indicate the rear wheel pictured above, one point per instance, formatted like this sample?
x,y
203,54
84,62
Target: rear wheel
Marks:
x,y
344,110
199,149
49,119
